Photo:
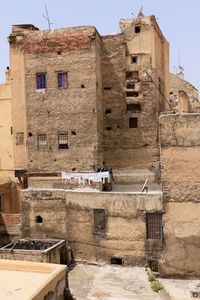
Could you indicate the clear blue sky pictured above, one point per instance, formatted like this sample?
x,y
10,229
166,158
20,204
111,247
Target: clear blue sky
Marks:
x,y
178,20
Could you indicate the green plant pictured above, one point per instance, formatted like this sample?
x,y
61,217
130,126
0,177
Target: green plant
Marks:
x,y
151,277
156,286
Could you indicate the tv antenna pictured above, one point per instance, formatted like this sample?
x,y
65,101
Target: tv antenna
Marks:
x,y
180,68
47,18
140,14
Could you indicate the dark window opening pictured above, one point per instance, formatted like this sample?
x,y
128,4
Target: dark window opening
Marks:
x,y
133,122
62,78
154,225
116,261
42,141
39,219
30,134
134,75
11,130
153,264
73,132
99,218
108,128
137,29
108,111
134,107
171,93
41,81
132,94
59,52
1,202
63,141
107,88
130,86
134,59
82,86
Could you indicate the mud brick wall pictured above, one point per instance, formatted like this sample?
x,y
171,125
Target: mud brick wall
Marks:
x,y
180,160
70,215
10,227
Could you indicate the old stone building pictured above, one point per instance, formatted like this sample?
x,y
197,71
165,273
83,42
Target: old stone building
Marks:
x,y
74,81
81,100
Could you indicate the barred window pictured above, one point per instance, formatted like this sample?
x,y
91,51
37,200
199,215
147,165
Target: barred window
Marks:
x,y
19,138
99,219
133,122
42,141
154,225
63,141
41,81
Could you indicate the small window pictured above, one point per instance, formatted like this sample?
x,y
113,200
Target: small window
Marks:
x,y
134,59
154,225
133,122
108,128
130,86
132,94
108,111
42,141
132,75
41,81
116,261
134,107
137,29
1,203
99,219
107,88
19,138
63,141
39,219
62,80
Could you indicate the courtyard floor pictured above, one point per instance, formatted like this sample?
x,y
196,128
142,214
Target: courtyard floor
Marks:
x,y
90,282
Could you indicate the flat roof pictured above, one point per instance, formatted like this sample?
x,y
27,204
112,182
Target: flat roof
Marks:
x,y
22,280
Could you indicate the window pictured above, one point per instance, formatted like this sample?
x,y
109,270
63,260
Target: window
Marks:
x,y
134,59
134,107
1,203
132,75
62,78
19,138
41,81
116,261
39,219
108,128
137,29
130,86
99,219
42,141
63,141
107,88
108,111
132,94
133,122
154,225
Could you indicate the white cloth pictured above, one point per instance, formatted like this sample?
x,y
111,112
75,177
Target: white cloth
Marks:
x,y
96,177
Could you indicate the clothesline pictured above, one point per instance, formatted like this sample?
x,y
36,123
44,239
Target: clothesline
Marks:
x,y
81,177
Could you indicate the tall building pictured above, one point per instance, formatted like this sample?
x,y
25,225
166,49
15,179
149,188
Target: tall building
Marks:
x,y
80,99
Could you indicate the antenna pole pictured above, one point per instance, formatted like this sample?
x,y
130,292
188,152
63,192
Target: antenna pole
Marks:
x,y
47,17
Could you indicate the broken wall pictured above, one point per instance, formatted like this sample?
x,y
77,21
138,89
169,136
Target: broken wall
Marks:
x,y
180,160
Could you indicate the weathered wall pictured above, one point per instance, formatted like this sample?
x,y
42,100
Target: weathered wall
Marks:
x,y
125,147
125,232
10,228
6,131
180,161
177,84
